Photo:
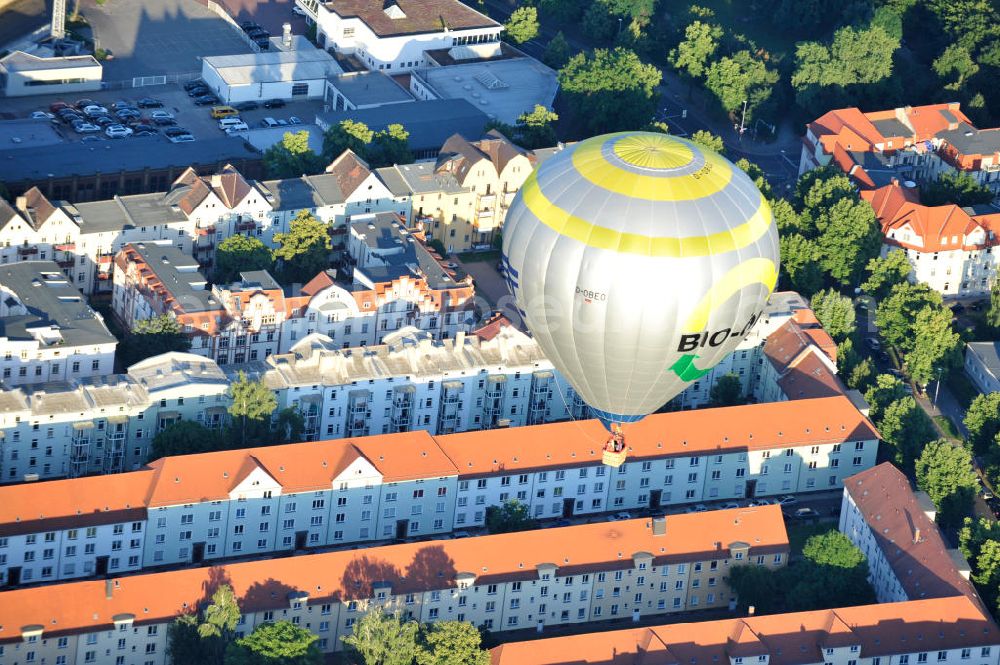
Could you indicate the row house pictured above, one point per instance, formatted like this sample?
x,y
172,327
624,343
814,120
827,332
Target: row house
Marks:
x,y
534,579
260,501
953,250
894,526
950,631
394,36
49,332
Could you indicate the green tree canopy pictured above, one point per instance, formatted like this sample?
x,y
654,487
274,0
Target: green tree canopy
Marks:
x,y
388,147
800,264
511,515
347,135
835,312
701,41
982,419
955,65
184,437
945,472
906,429
252,404
861,375
610,90
452,643
935,345
522,25
895,314
240,253
993,312
849,238
886,390
886,272
304,251
383,639
281,643
151,337
536,128
727,391
960,189
709,140
557,51
292,157
738,78
833,549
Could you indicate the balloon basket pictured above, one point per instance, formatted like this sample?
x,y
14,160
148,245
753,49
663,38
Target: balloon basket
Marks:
x,y
613,458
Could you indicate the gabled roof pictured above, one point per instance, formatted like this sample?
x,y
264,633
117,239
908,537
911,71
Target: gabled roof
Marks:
x,y
36,208
743,641
350,171
230,186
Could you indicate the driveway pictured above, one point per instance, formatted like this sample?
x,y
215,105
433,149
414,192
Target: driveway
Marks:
x,y
157,37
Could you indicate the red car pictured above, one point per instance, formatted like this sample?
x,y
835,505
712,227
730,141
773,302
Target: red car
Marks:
x,y
57,106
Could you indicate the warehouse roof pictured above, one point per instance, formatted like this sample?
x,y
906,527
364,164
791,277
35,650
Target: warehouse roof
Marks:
x,y
413,567
273,66
367,88
19,61
410,17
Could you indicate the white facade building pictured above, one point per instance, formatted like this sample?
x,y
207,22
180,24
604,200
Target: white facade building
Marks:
x,y
23,74
982,365
296,74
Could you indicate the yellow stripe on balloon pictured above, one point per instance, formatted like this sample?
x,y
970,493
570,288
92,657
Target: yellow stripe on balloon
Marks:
x,y
656,154
752,271
568,224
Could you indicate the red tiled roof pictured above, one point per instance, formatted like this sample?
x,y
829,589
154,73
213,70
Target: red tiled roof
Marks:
x,y
790,639
414,567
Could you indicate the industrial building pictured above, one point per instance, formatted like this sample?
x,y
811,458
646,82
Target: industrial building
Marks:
x,y
23,74
295,74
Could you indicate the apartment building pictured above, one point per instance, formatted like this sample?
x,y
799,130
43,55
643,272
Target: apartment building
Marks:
x,y
886,154
463,196
360,490
894,526
401,284
532,579
982,365
393,36
49,333
950,631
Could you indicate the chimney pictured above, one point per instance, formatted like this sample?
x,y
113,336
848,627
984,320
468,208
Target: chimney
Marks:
x,y
286,36
216,180
459,339
21,203
659,526
109,588
916,535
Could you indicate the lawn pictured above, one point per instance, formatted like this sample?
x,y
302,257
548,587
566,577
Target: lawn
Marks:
x,y
798,534
948,427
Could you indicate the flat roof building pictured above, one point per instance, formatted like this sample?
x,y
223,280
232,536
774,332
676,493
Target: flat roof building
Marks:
x,y
296,74
362,90
23,74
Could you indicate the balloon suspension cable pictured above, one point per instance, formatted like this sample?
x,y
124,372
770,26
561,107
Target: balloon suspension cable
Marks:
x,y
569,410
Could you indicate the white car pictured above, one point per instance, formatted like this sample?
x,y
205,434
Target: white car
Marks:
x,y
732,505
621,516
162,115
294,120
117,131
94,110
181,138
41,115
298,11
85,128
787,500
236,129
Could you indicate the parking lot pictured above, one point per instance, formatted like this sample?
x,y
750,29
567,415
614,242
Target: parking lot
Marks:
x,y
270,14
24,132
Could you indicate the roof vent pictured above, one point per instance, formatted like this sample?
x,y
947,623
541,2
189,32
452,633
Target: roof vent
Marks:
x,y
659,526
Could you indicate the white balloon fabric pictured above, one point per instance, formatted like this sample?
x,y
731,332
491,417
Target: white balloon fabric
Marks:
x,y
638,261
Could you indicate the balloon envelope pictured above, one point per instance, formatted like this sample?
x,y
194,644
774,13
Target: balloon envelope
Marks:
x,y
638,262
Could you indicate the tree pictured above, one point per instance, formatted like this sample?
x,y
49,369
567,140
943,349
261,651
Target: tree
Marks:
x,y
304,250
757,586
389,147
522,25
887,389
280,643
895,314
861,375
935,345
799,264
184,437
251,407
452,643
982,419
785,216
292,157
151,337
759,177
833,549
955,63
886,272
727,391
222,615
907,429
536,128
973,534
849,238
701,41
289,425
557,51
708,140
945,472
835,312
960,189
240,253
738,78
610,90
346,135
384,639
184,645
993,313
511,515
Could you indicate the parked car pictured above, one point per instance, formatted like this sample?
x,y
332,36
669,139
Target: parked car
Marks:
x,y
121,104
163,122
205,100
161,114
255,33
621,516
237,128
274,103
175,131
198,90
263,44
196,83
731,505
268,122
125,114
42,115
873,343
149,103
697,508
224,112
282,122
248,25
143,127
294,120
117,131
81,103
247,106
805,514
298,11
181,138
104,120
94,109
144,132
54,107
92,138
787,500
85,128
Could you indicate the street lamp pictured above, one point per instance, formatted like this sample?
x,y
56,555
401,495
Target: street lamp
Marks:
x,y
743,118
619,26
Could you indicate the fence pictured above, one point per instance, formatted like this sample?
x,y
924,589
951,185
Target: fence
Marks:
x,y
142,81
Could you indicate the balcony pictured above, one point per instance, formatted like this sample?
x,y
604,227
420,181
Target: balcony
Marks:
x,y
205,231
246,225
66,260
104,259
309,6
27,250
65,247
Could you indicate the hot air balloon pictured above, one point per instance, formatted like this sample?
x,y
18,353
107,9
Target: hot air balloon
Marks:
x,y
638,261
